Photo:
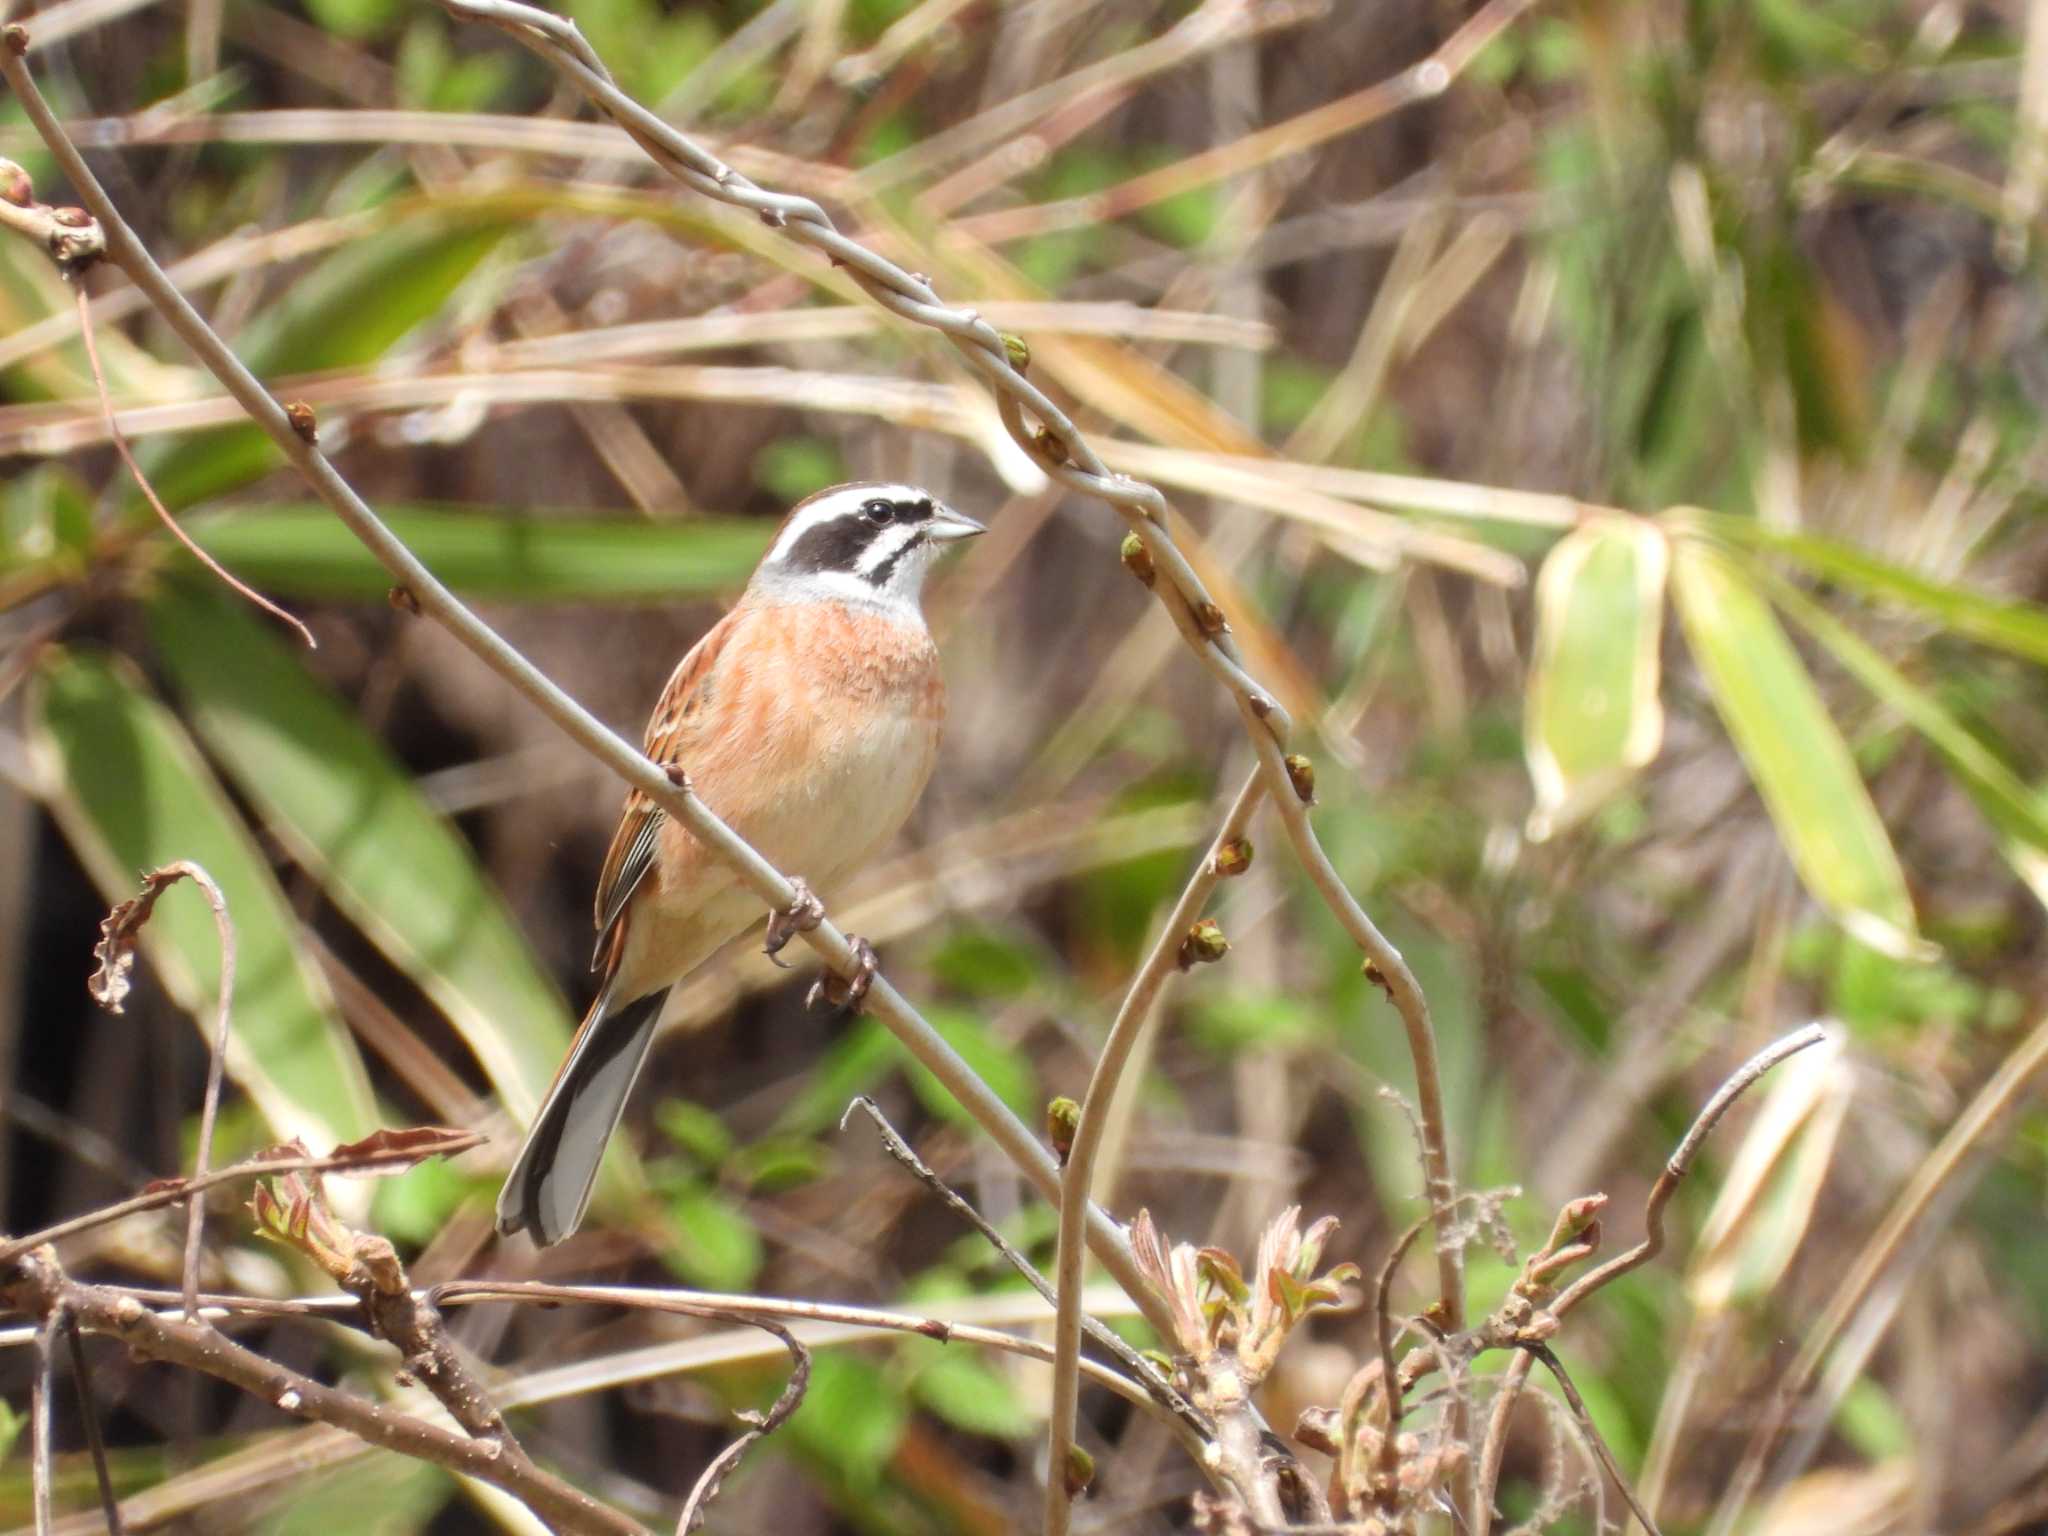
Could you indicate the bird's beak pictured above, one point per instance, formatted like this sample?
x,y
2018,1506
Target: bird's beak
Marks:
x,y
946,525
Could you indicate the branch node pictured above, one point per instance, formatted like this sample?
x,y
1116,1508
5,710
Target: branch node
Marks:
x,y
16,39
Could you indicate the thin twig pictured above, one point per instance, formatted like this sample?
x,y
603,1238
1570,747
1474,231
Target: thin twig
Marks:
x,y
95,1441
1143,1371
37,1285
43,1386
436,601
176,1191
118,934
1390,1378
1985,1111
163,513
1096,1105
786,1403
1676,1167
1594,1438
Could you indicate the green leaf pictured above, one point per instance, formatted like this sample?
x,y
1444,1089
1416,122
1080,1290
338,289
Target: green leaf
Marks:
x,y
696,1129
2014,810
45,518
360,301
348,311
358,20
716,1245
350,815
302,551
131,793
971,1394
1005,1071
851,1418
2015,627
1796,756
1593,713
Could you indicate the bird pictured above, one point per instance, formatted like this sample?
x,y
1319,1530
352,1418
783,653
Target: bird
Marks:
x,y
808,719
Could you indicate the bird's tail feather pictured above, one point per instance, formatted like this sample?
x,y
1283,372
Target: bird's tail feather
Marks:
x,y
549,1186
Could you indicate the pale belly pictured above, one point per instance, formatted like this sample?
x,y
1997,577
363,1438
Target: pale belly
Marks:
x,y
852,795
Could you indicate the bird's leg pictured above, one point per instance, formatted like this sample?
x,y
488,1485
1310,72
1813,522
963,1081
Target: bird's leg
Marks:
x,y
842,992
803,914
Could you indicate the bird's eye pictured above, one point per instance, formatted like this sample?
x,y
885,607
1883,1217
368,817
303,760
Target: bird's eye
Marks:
x,y
880,513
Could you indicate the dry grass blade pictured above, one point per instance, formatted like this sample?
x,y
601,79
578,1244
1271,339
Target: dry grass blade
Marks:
x,y
1946,1162
1423,81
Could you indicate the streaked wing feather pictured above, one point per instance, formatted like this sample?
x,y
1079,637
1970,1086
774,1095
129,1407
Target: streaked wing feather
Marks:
x,y
636,845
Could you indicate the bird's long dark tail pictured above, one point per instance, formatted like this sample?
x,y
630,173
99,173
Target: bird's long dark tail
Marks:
x,y
549,1186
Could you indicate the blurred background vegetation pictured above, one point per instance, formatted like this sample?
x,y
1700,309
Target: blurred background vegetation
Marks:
x,y
1623,448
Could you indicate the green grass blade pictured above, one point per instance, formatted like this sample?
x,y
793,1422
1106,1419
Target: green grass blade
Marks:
x,y
1795,755
301,551
2017,813
132,793
350,815
1593,715
2007,625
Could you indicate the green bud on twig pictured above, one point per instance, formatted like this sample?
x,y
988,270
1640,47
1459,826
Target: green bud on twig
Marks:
x,y
1203,945
1233,858
1080,1471
1015,348
1138,559
1302,774
1062,1121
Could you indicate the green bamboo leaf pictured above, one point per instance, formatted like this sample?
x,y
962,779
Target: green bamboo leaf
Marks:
x,y
349,814
302,551
1593,715
351,308
1796,756
2014,810
131,793
365,297
2017,627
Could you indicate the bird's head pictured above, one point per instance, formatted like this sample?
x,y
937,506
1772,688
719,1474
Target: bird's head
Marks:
x,y
869,543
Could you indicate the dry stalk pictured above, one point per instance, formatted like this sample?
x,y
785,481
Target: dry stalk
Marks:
x,y
1529,1324
1096,1106
38,1286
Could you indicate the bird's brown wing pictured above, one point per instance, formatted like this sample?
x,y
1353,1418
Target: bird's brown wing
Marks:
x,y
678,720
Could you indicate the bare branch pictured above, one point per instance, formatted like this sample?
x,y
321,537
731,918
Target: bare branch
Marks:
x,y
1983,1113
786,1403
350,1159
1142,1370
1675,1170
38,1286
1131,1018
110,1504
44,1384
1594,1438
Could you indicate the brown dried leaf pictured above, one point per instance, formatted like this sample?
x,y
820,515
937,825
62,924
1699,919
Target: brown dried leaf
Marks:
x,y
110,984
394,1151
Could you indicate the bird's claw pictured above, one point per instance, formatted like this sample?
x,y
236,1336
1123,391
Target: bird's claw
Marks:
x,y
803,914
844,993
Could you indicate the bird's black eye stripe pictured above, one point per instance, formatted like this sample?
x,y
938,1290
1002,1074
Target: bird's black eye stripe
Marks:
x,y
881,511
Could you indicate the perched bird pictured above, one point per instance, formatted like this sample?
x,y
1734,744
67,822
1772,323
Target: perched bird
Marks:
x,y
807,718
